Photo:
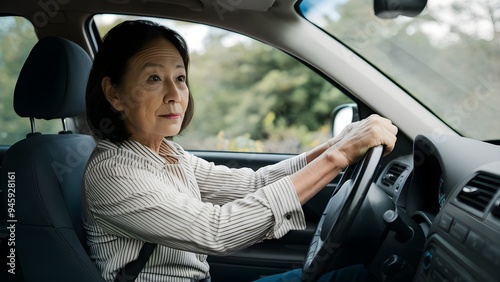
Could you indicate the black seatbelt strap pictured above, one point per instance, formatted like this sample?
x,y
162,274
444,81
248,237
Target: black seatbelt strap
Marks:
x,y
129,272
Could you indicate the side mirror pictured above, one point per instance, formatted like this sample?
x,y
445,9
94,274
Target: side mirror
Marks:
x,y
391,9
342,116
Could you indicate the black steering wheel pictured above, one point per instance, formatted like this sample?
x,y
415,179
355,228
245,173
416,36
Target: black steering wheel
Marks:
x,y
343,208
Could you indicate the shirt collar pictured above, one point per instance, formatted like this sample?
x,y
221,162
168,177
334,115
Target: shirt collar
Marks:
x,y
167,154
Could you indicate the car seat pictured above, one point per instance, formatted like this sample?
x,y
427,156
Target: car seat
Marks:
x,y
48,168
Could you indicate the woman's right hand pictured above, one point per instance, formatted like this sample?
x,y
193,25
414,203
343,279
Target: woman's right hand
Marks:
x,y
358,137
345,149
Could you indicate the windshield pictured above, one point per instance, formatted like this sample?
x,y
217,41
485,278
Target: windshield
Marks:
x,y
448,57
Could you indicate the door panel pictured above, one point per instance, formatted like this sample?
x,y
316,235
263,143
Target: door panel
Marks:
x,y
270,256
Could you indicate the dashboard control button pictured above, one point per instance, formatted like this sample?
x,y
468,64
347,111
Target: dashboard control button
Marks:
x,y
445,269
458,231
439,263
435,276
474,241
427,260
445,222
492,254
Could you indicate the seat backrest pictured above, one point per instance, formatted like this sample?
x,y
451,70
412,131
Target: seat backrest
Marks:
x,y
47,169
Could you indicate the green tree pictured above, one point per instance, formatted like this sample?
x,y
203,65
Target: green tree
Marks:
x,y
17,38
236,86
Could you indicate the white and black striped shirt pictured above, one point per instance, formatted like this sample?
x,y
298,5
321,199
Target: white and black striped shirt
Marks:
x,y
189,207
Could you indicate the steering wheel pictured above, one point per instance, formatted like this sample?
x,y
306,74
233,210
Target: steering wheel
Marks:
x,y
342,209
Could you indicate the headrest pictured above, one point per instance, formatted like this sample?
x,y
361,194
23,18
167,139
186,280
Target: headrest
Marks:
x,y
53,80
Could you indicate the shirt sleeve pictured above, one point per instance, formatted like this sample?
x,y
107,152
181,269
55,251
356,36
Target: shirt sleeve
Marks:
x,y
220,184
125,199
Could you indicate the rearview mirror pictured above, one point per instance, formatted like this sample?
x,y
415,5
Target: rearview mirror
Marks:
x,y
391,9
342,116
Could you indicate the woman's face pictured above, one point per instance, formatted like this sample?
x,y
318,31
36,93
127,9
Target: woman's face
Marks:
x,y
153,96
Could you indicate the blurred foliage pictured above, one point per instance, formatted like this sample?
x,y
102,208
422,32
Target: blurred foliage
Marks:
x,y
17,37
262,99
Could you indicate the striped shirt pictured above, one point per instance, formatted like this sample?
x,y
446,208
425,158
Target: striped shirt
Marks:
x,y
189,207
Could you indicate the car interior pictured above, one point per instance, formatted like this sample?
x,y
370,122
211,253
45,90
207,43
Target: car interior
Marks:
x,y
428,211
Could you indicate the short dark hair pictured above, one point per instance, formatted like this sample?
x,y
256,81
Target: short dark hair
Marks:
x,y
120,44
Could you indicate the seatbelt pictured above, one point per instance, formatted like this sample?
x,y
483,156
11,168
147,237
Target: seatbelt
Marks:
x,y
131,270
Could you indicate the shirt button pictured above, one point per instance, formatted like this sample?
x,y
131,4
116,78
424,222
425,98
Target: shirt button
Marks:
x,y
288,216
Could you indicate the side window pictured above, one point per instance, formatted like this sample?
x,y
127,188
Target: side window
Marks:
x,y
249,97
17,38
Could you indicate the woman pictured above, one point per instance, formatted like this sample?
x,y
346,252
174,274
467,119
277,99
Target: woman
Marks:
x,y
140,186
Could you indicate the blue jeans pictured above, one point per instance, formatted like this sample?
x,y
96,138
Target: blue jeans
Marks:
x,y
355,273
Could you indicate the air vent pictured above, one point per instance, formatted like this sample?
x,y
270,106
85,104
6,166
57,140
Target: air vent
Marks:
x,y
478,192
393,174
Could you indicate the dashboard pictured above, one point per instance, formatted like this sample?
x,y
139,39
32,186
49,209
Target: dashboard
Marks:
x,y
449,187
